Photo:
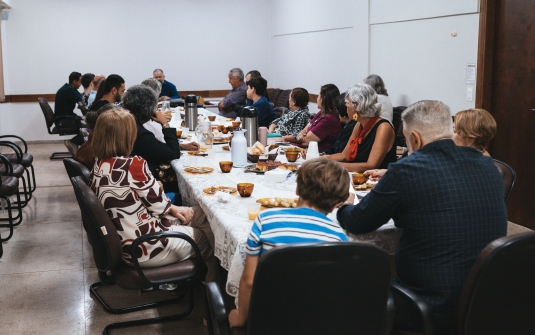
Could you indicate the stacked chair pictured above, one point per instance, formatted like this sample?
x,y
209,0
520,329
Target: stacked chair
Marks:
x,y
9,186
22,162
112,270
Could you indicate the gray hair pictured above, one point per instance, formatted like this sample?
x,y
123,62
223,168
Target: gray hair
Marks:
x,y
377,83
237,73
157,70
430,118
141,102
364,100
154,84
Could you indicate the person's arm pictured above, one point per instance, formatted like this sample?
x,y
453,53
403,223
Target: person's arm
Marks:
x,y
384,140
238,317
375,175
173,92
310,136
299,123
148,147
236,97
376,208
272,126
147,188
301,135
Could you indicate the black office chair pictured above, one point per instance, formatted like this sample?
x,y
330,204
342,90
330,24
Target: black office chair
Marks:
x,y
75,169
107,252
23,158
508,176
498,296
59,125
322,288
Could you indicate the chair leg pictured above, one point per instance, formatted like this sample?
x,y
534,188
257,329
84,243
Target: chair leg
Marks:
x,y
93,289
10,219
162,319
27,193
32,187
60,155
13,221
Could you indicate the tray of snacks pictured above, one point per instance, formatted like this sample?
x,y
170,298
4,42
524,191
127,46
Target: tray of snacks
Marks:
x,y
197,153
214,189
199,169
277,202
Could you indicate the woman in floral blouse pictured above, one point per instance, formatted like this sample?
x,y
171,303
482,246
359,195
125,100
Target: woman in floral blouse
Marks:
x,y
291,123
136,202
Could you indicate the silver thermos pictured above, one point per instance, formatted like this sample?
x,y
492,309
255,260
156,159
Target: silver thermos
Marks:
x,y
249,121
190,111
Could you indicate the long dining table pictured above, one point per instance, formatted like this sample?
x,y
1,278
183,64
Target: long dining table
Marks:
x,y
229,219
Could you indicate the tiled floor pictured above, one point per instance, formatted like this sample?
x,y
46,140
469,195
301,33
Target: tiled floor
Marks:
x,y
47,268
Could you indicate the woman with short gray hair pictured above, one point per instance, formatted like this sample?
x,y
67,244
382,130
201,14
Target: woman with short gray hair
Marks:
x,y
371,145
377,83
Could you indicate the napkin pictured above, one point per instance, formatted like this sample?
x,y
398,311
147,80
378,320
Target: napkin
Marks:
x,y
223,196
277,175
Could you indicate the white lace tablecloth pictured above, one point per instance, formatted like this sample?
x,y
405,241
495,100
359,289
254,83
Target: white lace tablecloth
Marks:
x,y
230,222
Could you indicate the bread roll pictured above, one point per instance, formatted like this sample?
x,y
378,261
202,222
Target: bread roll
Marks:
x,y
260,147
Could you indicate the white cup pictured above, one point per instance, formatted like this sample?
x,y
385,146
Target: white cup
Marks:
x,y
194,161
185,132
312,151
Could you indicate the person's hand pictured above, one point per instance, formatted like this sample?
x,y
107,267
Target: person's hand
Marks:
x,y
162,98
185,214
160,183
304,154
159,117
375,175
351,199
235,319
190,146
300,137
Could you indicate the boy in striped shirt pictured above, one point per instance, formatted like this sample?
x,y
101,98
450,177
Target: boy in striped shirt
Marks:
x,y
322,185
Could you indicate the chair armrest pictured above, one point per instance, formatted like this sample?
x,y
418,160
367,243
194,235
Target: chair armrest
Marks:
x,y
199,263
14,147
19,138
218,312
419,304
9,167
390,313
67,117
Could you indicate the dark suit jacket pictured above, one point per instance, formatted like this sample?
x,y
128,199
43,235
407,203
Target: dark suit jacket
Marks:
x,y
449,202
154,151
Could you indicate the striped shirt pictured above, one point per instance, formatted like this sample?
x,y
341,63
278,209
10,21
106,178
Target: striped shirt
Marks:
x,y
288,226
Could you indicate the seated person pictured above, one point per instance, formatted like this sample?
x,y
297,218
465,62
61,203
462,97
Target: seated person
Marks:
x,y
237,95
371,144
141,101
290,124
151,125
66,99
87,84
111,91
449,202
322,185
474,128
325,126
255,92
85,154
135,201
168,90
376,82
346,119
96,85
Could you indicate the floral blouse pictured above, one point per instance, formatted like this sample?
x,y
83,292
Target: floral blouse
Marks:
x,y
134,201
292,122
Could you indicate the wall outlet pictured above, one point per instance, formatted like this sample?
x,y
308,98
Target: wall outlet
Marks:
x,y
469,94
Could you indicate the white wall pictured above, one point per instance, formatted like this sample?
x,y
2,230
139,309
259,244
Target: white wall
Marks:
x,y
318,42
194,42
413,51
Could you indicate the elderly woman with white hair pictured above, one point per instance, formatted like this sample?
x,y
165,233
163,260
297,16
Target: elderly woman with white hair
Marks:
x,y
371,145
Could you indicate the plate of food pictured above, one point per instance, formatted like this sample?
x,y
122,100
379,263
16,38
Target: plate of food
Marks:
x,y
197,153
214,189
253,168
226,148
199,169
363,187
288,166
221,140
277,202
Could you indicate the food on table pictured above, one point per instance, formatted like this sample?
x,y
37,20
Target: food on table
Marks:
x,y
273,146
257,149
267,165
226,147
289,167
199,169
214,189
221,140
278,202
363,187
198,153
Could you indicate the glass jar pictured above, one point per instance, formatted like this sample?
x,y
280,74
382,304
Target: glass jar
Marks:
x,y
205,137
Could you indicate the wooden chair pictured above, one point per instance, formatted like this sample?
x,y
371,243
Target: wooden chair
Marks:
x,y
322,288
